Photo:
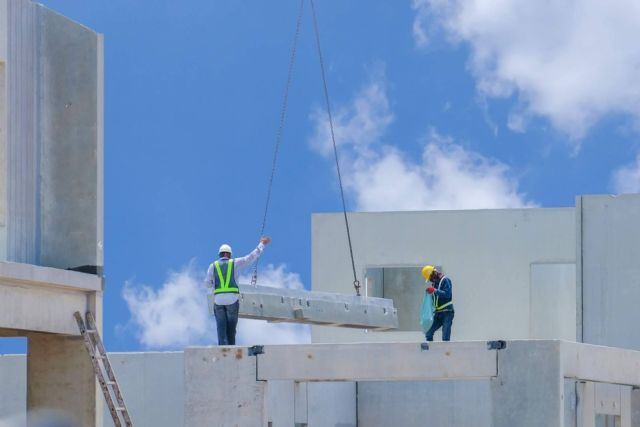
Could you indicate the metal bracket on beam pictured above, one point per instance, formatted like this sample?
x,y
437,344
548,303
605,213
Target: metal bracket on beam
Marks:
x,y
496,345
315,308
256,350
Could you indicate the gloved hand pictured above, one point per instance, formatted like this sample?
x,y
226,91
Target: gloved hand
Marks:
x,y
431,290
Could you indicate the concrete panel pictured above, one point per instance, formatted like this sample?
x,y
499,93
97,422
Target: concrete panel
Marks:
x,y
60,377
570,403
635,407
529,389
332,404
485,253
280,406
418,404
22,146
373,361
301,403
302,306
71,191
219,378
610,270
405,286
553,302
13,388
153,387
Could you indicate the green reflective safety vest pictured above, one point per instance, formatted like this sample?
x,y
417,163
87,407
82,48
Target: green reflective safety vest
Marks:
x,y
225,283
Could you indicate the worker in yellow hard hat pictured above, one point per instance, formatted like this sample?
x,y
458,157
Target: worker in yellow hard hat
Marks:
x,y
439,286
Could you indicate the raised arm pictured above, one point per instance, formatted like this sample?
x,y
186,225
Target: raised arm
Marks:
x,y
245,261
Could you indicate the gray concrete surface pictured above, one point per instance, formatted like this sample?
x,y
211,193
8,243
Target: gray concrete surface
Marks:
x,y
316,308
60,377
551,383
376,362
51,136
610,272
487,253
417,404
153,387
51,191
221,388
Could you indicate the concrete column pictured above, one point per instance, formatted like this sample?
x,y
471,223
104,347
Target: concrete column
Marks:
x,y
60,377
221,388
529,388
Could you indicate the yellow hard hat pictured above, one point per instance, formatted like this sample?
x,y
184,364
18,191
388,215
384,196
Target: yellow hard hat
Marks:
x,y
427,270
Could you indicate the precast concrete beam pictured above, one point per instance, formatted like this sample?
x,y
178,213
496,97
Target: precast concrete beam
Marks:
x,y
588,362
316,308
44,299
377,362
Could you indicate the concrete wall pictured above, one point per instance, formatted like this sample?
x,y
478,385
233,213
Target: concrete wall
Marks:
x,y
152,385
417,404
487,253
51,134
609,228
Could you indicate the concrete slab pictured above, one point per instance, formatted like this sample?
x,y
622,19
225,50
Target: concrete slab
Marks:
x,y
317,308
377,362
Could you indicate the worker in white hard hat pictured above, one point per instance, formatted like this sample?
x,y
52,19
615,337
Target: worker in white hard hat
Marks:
x,y
440,287
222,276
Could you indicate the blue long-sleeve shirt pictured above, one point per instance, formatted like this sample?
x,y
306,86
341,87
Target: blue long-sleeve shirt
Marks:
x,y
443,294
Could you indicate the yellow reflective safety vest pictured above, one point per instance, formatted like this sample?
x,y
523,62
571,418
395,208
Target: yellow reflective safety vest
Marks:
x,y
225,281
440,303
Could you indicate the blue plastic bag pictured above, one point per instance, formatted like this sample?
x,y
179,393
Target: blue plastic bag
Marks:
x,y
426,314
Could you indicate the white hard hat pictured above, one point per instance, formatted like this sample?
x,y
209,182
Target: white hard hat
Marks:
x,y
224,248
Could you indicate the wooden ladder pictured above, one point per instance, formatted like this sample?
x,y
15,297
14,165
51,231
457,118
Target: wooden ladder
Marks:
x,y
102,366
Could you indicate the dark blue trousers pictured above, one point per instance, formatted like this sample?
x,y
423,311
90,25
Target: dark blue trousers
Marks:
x,y
442,319
226,322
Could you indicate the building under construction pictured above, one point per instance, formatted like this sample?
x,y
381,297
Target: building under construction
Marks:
x,y
547,298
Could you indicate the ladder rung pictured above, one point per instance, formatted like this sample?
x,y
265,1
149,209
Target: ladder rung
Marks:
x,y
91,331
120,409
110,382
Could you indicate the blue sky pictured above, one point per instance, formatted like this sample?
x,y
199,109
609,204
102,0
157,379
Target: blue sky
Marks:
x,y
439,105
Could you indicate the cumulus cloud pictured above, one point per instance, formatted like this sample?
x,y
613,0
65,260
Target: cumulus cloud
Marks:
x,y
627,178
176,314
381,177
573,62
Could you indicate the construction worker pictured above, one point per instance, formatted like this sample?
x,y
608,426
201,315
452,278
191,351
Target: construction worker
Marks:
x,y
222,276
439,286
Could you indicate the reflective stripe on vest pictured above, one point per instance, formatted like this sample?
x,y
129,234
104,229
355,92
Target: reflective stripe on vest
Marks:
x,y
435,300
224,283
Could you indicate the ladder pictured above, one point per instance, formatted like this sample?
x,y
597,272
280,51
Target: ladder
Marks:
x,y
101,365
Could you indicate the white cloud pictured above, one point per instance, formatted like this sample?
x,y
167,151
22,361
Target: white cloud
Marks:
x,y
573,62
627,178
176,314
381,177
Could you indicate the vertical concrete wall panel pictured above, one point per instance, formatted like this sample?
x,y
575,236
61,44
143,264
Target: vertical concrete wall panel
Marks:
x,y
22,162
221,388
71,189
610,270
60,377
13,388
416,404
153,387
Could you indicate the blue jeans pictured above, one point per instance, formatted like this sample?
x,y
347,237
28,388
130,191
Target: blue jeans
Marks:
x,y
442,319
226,322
